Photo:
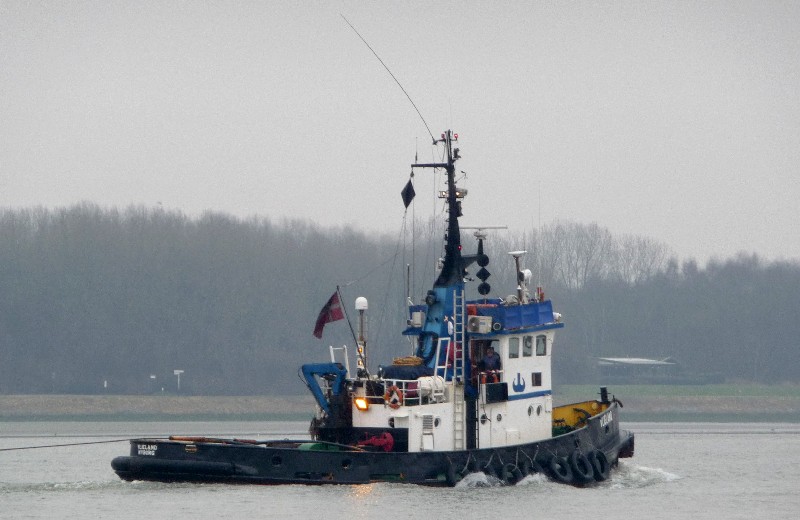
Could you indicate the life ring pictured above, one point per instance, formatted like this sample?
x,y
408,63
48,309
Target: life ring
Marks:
x,y
393,397
559,468
600,464
582,469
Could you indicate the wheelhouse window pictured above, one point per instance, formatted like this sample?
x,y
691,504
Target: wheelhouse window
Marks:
x,y
541,345
527,346
513,348
536,379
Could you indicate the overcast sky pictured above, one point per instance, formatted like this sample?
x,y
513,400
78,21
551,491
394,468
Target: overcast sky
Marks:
x,y
679,121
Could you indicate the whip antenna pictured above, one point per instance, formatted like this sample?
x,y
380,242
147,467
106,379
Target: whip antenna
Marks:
x,y
392,75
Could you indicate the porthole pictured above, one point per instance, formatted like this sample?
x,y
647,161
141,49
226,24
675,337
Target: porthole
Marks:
x,y
436,422
391,422
530,411
539,410
499,417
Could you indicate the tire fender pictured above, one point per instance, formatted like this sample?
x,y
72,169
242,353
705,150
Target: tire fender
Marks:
x,y
451,475
559,468
599,462
582,469
511,474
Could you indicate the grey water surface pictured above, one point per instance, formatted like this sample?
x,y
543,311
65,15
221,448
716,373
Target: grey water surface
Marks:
x,y
680,470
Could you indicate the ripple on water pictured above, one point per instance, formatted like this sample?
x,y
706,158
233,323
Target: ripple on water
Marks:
x,y
59,487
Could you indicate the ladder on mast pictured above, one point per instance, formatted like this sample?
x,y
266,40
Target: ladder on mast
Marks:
x,y
459,312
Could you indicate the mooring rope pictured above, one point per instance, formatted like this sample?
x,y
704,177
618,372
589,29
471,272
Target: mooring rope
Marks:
x,y
124,440
63,445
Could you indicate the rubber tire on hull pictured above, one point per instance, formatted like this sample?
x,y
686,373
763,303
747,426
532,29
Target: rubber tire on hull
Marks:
x,y
471,467
582,469
511,474
560,470
627,448
602,469
451,475
530,467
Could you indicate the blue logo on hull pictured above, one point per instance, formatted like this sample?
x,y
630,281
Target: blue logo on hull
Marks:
x,y
518,384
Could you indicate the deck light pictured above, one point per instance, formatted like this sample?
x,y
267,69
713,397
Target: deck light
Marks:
x,y
361,403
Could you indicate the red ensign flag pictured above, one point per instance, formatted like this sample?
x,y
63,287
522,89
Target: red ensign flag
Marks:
x,y
331,312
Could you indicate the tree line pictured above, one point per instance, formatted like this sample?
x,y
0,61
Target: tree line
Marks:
x,y
106,300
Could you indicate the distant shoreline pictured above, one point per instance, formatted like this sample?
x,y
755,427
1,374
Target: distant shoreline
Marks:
x,y
154,408
661,403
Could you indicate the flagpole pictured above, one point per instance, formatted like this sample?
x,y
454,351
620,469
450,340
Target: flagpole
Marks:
x,y
344,308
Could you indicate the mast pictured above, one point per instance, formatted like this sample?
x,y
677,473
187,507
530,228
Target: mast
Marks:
x,y
449,285
453,267
447,297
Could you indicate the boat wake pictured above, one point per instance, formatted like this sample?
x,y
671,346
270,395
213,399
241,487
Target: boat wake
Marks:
x,y
478,480
8,488
625,476
58,487
631,476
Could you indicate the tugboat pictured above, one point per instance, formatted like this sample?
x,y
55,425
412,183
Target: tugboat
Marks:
x,y
475,396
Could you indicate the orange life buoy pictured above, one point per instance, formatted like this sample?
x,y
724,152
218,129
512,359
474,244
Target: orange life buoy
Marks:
x,y
393,397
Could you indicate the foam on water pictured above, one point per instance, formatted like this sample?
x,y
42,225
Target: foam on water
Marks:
x,y
477,480
626,476
59,487
631,476
536,479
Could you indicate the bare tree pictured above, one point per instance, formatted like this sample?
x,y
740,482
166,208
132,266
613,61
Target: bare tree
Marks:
x,y
638,259
578,253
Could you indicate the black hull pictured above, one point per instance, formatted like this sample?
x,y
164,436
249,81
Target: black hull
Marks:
x,y
292,462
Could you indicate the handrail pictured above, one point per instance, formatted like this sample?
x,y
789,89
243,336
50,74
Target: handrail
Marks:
x,y
410,391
